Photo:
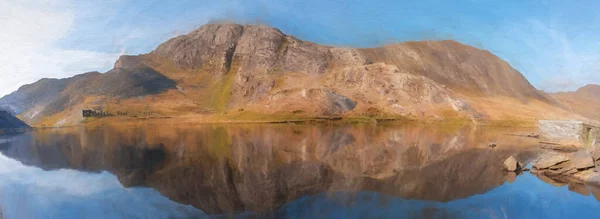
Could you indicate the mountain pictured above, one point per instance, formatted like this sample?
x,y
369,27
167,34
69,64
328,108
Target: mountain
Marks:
x,y
460,67
8,121
244,72
584,101
49,97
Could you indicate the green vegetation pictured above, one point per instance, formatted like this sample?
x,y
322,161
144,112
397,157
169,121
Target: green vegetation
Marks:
x,y
357,120
222,91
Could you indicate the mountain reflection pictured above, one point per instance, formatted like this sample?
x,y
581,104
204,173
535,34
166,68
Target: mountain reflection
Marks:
x,y
225,169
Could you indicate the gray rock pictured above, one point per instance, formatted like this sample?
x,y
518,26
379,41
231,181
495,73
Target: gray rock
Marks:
x,y
209,47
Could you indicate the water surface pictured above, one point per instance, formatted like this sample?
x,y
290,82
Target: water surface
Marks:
x,y
278,171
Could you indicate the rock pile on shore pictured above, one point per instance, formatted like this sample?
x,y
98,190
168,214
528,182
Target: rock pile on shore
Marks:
x,y
581,165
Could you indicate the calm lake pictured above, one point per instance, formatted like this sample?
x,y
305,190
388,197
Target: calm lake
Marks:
x,y
279,171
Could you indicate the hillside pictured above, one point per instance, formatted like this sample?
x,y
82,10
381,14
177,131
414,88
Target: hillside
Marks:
x,y
460,67
8,121
234,72
585,101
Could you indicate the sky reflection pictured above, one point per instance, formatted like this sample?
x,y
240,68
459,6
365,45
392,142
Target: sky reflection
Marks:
x,y
30,192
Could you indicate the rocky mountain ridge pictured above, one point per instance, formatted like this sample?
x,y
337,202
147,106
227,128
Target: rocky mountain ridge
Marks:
x,y
584,101
245,70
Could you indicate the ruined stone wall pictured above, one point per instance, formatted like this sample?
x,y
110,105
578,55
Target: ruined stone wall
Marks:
x,y
593,137
561,130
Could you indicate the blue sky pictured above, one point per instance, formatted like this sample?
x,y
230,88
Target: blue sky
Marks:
x,y
555,44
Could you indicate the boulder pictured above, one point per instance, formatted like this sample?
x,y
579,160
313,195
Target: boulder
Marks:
x,y
548,160
581,160
511,164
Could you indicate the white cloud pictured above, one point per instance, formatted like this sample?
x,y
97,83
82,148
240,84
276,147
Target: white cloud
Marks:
x,y
30,30
556,60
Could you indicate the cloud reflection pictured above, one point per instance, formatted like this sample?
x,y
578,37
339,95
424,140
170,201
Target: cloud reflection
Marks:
x,y
30,192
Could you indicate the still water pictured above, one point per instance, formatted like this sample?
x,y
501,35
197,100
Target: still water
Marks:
x,y
278,171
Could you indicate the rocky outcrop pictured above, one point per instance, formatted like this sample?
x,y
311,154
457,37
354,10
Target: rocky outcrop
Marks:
x,y
576,167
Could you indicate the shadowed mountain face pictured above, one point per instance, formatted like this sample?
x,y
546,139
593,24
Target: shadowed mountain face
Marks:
x,y
49,97
258,168
585,101
224,68
8,121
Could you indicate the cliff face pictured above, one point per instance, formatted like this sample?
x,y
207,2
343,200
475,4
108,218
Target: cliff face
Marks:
x,y
230,68
585,101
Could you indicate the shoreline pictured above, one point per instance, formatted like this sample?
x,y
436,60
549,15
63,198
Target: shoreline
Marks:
x,y
282,119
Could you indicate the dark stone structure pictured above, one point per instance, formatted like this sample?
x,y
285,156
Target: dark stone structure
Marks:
x,y
94,113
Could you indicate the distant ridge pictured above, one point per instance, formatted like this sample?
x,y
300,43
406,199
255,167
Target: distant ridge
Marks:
x,y
585,101
8,121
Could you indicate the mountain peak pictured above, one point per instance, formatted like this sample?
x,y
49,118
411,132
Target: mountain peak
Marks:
x,y
221,67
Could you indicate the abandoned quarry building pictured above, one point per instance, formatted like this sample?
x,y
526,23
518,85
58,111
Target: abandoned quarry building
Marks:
x,y
569,132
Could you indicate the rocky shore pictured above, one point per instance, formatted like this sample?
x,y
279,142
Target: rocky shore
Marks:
x,y
579,169
582,166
